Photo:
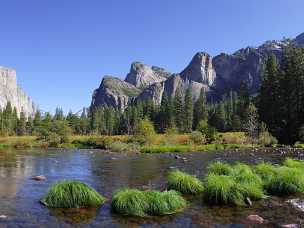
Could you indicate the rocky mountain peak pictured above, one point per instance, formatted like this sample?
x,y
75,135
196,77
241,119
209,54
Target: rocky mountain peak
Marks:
x,y
200,69
11,92
300,39
142,75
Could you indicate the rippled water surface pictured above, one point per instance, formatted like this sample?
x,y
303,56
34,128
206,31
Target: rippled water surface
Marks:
x,y
108,172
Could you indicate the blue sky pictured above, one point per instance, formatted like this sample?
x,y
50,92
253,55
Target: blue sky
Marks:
x,y
62,48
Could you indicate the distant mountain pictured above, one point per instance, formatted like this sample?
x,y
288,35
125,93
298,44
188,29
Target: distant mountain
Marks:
x,y
215,76
11,92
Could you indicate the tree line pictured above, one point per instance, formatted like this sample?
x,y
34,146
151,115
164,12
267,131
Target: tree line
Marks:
x,y
279,108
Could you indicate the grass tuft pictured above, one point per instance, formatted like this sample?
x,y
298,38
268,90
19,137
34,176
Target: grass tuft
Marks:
x,y
72,194
220,168
184,183
293,163
286,181
132,202
220,189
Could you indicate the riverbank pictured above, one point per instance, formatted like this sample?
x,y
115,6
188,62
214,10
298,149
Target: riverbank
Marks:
x,y
161,143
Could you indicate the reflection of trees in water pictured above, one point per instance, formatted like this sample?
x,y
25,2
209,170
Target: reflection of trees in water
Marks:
x,y
81,215
129,170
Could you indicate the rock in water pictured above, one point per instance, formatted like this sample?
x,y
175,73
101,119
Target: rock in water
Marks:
x,y
11,92
39,178
255,219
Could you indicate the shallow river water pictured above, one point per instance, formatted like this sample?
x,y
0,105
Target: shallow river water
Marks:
x,y
108,172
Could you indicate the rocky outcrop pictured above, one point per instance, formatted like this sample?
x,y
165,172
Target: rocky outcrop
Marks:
x,y
113,92
300,39
11,92
200,69
142,75
215,76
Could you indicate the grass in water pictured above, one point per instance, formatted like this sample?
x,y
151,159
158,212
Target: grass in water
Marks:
x,y
286,181
221,189
72,194
133,202
184,183
292,163
220,168
130,202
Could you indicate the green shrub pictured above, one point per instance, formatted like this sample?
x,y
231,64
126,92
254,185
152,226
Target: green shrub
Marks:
x,y
221,189
266,139
286,181
197,137
145,132
184,183
123,147
132,202
72,194
220,168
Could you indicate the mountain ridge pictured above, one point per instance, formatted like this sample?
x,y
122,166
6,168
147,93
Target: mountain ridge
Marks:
x,y
213,75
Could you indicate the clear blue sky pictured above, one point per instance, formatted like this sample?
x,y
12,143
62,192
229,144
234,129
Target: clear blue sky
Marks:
x,y
62,48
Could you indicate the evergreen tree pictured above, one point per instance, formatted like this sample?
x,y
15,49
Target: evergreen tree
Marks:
x,y
178,111
188,111
21,126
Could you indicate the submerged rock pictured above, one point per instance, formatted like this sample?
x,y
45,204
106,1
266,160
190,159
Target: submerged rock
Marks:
x,y
290,226
3,217
39,178
297,203
255,219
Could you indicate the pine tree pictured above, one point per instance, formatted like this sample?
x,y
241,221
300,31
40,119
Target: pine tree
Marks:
x,y
178,111
188,111
200,110
21,126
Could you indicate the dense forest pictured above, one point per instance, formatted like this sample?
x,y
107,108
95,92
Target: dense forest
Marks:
x,y
279,107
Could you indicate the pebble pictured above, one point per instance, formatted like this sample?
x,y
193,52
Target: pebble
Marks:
x,y
3,217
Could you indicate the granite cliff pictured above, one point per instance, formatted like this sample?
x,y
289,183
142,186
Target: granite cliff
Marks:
x,y
214,75
11,92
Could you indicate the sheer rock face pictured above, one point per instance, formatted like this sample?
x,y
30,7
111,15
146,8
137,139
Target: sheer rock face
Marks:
x,y
113,92
200,69
215,76
300,39
11,92
244,65
142,75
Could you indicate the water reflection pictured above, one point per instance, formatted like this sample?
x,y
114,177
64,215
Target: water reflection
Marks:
x,y
108,172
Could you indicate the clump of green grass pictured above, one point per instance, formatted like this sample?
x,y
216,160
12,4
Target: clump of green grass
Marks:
x,y
221,189
220,168
164,203
286,181
72,194
244,174
266,171
293,163
184,183
226,184
132,202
